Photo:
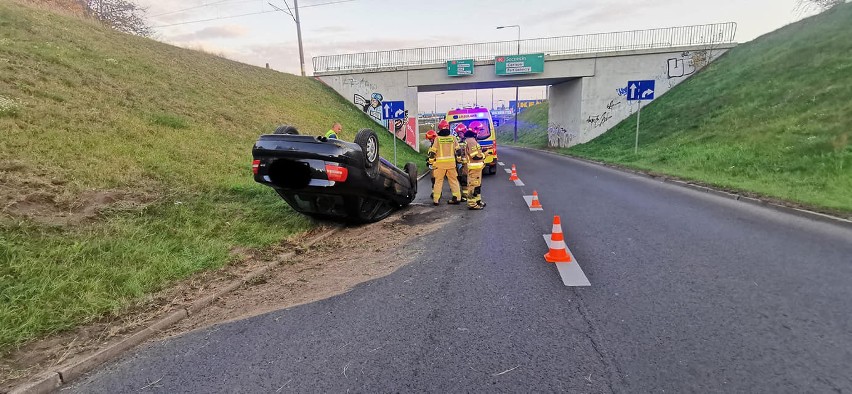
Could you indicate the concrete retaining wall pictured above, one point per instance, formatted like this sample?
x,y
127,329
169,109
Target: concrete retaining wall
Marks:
x,y
603,102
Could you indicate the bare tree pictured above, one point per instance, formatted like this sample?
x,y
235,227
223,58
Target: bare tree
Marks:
x,y
819,5
122,15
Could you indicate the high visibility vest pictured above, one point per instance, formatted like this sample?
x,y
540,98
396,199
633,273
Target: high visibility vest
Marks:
x,y
331,134
445,155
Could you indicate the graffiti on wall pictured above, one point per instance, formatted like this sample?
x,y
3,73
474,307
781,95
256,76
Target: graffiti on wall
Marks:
x,y
687,63
613,104
405,130
371,107
362,84
559,137
600,119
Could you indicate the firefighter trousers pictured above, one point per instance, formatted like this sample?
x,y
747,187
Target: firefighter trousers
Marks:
x,y
452,177
474,187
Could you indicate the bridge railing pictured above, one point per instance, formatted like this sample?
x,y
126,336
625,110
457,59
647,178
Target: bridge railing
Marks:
x,y
719,33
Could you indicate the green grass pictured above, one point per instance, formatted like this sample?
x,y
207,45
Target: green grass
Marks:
x,y
168,130
532,128
771,117
172,121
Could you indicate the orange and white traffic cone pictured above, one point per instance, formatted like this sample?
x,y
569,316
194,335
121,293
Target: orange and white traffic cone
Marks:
x,y
558,250
514,176
535,203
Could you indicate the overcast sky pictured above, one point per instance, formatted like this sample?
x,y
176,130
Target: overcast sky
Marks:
x,y
369,25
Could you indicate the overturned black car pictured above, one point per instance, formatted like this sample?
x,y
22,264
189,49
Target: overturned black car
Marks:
x,y
333,179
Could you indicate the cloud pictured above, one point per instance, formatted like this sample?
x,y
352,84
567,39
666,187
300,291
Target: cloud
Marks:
x,y
332,30
285,56
212,32
585,14
321,46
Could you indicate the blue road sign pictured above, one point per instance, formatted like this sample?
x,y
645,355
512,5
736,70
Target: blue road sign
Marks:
x,y
393,110
640,90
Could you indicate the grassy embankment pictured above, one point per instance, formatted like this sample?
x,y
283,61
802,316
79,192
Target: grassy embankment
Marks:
x,y
125,165
532,127
772,117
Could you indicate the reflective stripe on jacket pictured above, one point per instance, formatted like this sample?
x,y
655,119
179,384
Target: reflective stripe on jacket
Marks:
x,y
445,151
475,157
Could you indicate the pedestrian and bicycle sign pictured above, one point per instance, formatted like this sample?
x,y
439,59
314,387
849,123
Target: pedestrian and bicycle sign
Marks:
x,y
393,110
458,68
519,64
640,90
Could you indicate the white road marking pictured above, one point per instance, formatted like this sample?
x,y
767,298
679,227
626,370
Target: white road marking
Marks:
x,y
508,170
571,273
528,199
501,163
519,183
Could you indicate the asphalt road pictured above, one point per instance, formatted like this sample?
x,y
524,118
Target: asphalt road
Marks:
x,y
690,293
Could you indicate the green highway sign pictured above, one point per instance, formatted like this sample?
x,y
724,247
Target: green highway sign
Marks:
x,y
519,64
458,68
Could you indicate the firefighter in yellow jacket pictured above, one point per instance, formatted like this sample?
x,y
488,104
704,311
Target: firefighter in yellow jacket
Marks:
x,y
475,164
443,156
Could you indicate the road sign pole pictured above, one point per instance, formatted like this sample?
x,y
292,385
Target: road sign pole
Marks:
x,y
638,114
394,145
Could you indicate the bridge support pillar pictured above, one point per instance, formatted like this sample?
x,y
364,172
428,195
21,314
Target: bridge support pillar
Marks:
x,y
565,113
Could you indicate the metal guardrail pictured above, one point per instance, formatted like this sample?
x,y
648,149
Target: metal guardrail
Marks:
x,y
719,33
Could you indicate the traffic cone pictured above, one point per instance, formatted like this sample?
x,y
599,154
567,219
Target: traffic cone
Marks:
x,y
514,176
558,250
535,203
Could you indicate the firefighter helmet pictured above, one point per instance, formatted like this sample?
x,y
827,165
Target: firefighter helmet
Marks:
x,y
443,125
431,135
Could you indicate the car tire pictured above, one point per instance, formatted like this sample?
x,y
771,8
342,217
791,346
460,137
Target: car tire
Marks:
x,y
286,129
369,143
411,170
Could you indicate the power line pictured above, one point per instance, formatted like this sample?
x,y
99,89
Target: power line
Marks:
x,y
329,3
240,15
215,19
196,7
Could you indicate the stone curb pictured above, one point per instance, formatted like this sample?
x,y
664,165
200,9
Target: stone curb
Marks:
x,y
50,381
803,213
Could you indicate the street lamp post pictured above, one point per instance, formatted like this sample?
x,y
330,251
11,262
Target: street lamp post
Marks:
x,y
299,35
435,106
517,104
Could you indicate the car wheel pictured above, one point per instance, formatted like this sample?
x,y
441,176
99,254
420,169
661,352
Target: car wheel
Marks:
x,y
411,170
286,129
369,143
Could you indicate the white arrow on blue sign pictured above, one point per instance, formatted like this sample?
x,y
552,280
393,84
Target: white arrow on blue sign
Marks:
x,y
640,90
393,110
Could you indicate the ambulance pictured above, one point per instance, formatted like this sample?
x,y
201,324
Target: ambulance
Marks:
x,y
487,138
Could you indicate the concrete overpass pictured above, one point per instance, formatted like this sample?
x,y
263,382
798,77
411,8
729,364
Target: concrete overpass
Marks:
x,y
587,74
